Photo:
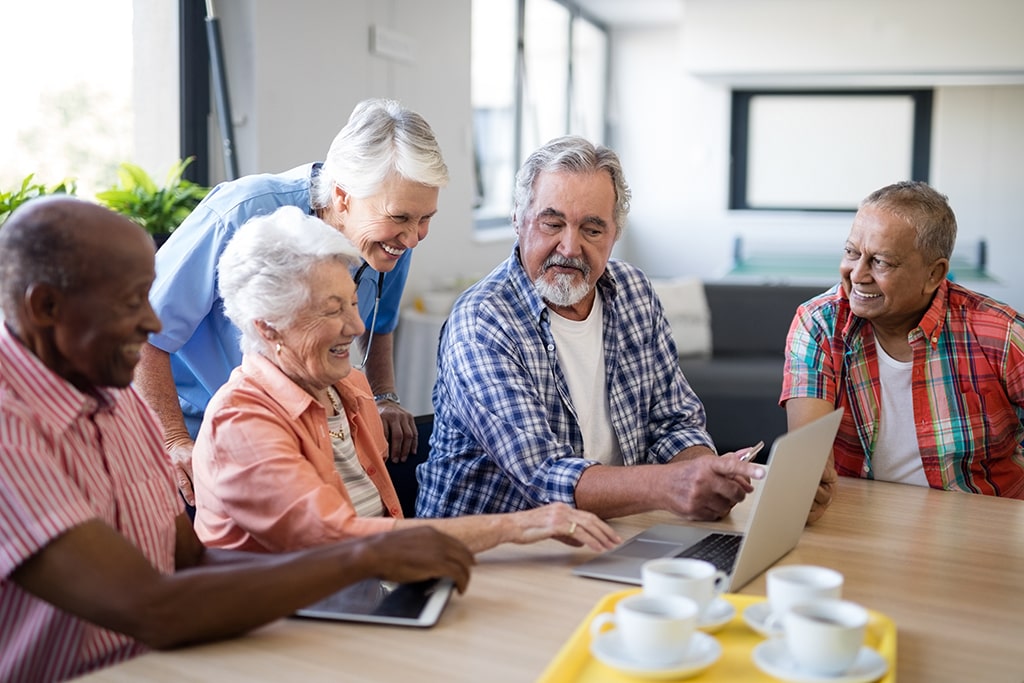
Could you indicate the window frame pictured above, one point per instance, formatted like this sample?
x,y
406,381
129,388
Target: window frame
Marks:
x,y
194,89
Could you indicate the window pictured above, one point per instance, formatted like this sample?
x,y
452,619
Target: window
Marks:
x,y
539,71
545,90
67,111
825,150
495,109
589,80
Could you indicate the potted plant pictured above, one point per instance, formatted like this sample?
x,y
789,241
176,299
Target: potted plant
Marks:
x,y
160,210
9,201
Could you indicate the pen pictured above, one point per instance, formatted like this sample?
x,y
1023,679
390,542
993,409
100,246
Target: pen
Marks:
x,y
754,450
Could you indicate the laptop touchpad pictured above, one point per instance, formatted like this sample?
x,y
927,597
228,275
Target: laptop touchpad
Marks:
x,y
641,548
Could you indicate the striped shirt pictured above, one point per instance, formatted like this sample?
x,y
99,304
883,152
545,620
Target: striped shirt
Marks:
x,y
361,490
506,434
967,384
67,458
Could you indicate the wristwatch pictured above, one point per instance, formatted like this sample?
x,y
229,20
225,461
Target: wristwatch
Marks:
x,y
387,396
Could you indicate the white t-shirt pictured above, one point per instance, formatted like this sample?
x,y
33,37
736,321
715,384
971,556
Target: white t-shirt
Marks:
x,y
896,456
580,348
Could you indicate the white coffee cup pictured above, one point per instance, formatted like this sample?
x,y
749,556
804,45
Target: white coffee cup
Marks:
x,y
654,630
795,583
695,579
825,636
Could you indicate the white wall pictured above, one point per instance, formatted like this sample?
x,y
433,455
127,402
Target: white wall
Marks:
x,y
852,37
155,76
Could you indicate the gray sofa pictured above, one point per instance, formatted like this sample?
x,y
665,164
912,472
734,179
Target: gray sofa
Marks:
x,y
740,382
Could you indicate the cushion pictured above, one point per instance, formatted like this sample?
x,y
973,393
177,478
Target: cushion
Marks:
x,y
688,314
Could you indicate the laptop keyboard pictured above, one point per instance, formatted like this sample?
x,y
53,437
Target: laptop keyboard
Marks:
x,y
718,549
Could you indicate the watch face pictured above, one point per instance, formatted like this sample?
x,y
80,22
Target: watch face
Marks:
x,y
388,396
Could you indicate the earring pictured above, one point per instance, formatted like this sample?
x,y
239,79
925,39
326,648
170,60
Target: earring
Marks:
x,y
278,347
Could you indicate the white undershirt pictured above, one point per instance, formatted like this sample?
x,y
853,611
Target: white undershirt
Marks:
x,y
361,489
896,456
580,348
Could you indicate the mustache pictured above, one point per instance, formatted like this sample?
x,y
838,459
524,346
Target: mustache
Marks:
x,y
566,262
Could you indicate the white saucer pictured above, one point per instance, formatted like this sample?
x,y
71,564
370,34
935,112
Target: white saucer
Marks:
x,y
774,659
704,651
756,617
719,613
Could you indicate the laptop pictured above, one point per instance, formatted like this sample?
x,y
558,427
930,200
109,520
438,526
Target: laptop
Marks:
x,y
777,517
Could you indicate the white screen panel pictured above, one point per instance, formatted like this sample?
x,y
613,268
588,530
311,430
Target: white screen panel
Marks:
x,y
826,151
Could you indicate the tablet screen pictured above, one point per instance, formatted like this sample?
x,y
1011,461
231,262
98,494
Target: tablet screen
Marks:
x,y
385,602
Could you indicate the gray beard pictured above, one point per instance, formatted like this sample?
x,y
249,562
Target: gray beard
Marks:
x,y
562,292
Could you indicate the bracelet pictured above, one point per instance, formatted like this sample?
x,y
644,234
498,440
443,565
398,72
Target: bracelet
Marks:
x,y
387,396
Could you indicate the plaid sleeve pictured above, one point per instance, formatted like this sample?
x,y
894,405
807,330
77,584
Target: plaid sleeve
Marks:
x,y
809,371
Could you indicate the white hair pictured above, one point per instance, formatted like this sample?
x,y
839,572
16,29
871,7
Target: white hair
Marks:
x,y
570,154
264,270
381,139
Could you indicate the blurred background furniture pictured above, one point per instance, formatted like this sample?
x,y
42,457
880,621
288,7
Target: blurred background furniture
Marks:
x,y
740,380
416,342
403,474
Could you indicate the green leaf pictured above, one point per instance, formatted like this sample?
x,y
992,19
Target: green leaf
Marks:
x,y
157,209
11,200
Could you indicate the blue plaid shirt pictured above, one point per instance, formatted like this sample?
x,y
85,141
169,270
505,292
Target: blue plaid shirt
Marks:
x,y
506,436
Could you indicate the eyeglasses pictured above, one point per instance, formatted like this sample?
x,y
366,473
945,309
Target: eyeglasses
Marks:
x,y
373,317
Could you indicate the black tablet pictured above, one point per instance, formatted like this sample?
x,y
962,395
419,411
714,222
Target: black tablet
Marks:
x,y
384,602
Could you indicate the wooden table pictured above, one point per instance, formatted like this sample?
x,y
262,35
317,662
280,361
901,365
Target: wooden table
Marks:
x,y
948,568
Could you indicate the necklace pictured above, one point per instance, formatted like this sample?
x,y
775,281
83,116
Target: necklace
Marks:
x,y
340,433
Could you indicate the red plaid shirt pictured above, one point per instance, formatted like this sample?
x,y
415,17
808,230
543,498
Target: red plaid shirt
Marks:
x,y
967,386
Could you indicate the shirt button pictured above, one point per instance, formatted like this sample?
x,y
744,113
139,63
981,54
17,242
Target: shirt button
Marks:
x,y
551,347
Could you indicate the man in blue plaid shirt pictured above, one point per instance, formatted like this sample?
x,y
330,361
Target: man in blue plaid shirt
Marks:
x,y
558,379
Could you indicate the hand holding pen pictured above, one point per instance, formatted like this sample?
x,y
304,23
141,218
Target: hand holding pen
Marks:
x,y
752,451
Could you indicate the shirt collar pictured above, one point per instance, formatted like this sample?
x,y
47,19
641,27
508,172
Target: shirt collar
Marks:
x,y
935,317
314,173
929,328
293,398
55,401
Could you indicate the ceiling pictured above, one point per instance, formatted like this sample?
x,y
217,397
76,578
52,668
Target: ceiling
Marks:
x,y
634,12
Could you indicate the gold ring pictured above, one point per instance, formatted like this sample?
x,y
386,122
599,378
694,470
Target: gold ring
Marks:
x,y
572,528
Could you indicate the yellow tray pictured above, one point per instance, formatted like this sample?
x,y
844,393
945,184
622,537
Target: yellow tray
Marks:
x,y
574,663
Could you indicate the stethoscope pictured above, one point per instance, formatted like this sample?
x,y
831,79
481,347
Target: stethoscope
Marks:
x,y
376,306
